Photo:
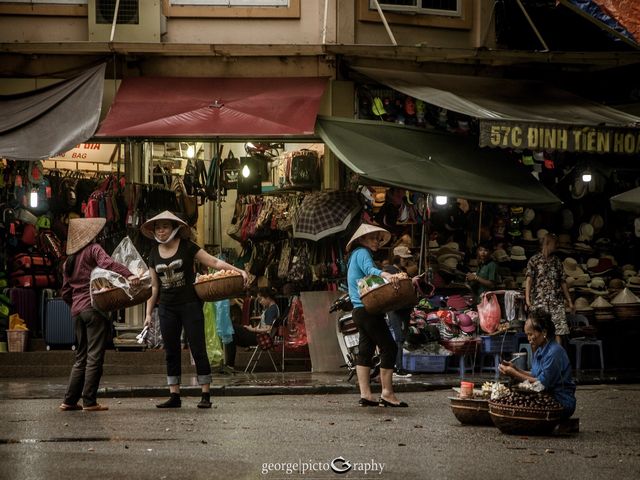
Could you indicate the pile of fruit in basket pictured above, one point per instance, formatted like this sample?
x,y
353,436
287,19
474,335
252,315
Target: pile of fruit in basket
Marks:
x,y
527,400
217,275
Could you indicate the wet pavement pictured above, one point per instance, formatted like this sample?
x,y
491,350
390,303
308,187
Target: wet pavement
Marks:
x,y
246,384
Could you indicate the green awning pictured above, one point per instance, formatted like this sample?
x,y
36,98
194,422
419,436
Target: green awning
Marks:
x,y
431,162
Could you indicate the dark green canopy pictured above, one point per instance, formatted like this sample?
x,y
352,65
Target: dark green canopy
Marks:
x,y
431,162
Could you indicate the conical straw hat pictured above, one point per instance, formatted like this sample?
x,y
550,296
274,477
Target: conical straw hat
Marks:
x,y
148,227
82,231
600,302
365,229
624,297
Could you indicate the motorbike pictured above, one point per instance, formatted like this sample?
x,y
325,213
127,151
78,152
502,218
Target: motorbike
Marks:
x,y
348,336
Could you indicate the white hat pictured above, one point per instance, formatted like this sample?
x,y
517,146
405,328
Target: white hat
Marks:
x,y
571,268
586,232
366,229
148,227
402,251
528,216
598,286
541,233
600,302
517,253
582,304
625,296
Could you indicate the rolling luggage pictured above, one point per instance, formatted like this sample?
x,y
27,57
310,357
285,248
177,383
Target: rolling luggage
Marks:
x,y
57,325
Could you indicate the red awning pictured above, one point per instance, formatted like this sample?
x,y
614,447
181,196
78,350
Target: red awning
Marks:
x,y
214,107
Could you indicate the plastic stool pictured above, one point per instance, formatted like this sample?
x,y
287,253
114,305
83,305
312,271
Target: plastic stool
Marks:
x,y
492,368
462,366
525,347
585,342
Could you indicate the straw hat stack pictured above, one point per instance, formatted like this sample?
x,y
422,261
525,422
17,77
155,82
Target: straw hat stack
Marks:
x,y
583,308
602,310
626,305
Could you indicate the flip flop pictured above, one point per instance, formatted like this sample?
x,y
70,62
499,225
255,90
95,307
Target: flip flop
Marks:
x,y
65,408
95,408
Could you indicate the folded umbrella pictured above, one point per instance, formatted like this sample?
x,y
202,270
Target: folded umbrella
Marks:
x,y
325,213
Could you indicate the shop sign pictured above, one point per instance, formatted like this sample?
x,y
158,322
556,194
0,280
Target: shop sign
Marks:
x,y
559,137
88,152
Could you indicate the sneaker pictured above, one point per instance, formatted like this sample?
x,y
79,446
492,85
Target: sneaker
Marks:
x,y
401,374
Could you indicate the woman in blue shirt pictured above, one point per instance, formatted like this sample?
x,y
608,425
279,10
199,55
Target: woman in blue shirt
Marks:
x,y
550,364
372,328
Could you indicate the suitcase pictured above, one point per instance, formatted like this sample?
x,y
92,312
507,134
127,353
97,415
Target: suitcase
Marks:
x,y
57,325
25,304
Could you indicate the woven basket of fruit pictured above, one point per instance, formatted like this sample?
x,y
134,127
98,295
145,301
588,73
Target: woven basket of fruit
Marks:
x,y
115,298
471,411
525,414
220,285
390,296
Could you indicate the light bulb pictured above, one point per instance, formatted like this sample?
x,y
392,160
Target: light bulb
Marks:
x,y
441,200
586,177
191,151
33,199
245,171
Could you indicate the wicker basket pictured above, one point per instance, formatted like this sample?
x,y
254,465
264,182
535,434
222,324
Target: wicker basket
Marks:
x,y
17,340
471,411
514,420
463,347
390,297
220,288
116,298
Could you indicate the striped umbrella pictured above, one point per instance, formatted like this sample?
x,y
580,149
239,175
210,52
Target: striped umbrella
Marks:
x,y
325,213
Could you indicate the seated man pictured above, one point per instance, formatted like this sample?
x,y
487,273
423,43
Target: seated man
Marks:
x,y
484,278
246,335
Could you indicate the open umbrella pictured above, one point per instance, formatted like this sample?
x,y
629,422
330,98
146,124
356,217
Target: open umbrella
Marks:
x,y
628,201
325,213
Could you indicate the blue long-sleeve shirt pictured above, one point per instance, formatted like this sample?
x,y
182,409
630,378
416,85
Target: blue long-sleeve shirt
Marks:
x,y
360,265
552,368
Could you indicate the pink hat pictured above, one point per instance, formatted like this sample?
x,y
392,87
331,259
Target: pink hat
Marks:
x,y
466,323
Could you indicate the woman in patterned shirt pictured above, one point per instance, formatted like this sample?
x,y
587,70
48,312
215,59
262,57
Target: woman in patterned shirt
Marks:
x,y
546,286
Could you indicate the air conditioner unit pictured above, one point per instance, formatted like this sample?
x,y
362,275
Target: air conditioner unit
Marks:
x,y
138,20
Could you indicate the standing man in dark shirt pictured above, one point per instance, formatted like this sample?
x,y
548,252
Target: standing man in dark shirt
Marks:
x,y
171,264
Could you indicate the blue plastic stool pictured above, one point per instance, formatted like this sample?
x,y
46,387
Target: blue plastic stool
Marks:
x,y
462,366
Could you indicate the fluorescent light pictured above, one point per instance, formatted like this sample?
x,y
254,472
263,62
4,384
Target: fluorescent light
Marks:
x,y
586,177
441,199
33,199
245,171
191,151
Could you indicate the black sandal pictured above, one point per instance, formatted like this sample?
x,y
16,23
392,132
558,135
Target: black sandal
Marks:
x,y
386,403
365,402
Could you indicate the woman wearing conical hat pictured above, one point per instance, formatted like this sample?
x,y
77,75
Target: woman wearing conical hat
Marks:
x,y
92,327
372,328
171,264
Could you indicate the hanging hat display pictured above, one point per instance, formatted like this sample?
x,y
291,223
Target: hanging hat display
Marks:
x,y
586,232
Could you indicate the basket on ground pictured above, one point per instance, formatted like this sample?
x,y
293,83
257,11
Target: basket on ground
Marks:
x,y
17,340
471,411
515,420
390,297
220,288
116,298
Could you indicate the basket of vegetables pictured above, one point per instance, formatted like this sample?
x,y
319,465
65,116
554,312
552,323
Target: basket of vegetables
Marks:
x,y
390,296
220,285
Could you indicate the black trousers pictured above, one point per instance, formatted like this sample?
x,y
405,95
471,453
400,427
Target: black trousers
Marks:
x,y
241,337
172,319
374,331
92,334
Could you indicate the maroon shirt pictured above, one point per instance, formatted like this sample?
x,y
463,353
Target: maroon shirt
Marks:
x,y
75,289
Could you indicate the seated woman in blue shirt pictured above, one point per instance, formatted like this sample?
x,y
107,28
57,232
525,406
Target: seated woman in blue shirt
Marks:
x,y
550,364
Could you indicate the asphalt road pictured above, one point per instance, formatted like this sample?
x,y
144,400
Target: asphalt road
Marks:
x,y
259,437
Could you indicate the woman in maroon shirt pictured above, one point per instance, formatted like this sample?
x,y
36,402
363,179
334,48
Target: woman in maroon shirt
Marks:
x,y
91,326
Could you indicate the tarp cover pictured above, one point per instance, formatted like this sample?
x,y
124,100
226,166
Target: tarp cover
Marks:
x,y
628,201
521,113
623,16
501,99
48,121
432,162
213,107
